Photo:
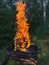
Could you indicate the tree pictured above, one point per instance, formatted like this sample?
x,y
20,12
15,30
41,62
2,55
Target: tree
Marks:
x,y
34,15
44,14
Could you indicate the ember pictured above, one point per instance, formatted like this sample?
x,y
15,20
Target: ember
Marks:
x,y
22,37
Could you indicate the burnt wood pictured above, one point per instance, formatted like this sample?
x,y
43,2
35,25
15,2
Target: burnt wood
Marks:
x,y
31,54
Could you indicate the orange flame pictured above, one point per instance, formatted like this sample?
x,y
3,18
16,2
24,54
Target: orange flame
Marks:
x,y
22,38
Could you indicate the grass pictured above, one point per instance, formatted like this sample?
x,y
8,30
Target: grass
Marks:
x,y
42,41
2,54
10,62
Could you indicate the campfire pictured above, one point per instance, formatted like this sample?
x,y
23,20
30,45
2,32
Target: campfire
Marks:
x,y
22,37
22,50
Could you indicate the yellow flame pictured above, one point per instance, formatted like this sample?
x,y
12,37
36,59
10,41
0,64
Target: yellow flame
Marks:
x,y
22,37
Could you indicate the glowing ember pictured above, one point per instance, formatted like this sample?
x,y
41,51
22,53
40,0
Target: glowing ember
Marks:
x,y
22,38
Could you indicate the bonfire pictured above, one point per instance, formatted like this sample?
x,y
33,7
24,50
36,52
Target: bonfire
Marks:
x,y
22,37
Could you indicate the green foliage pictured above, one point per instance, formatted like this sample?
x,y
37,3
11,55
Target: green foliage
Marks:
x,y
7,24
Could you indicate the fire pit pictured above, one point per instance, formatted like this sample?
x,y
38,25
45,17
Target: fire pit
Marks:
x,y
31,53
29,57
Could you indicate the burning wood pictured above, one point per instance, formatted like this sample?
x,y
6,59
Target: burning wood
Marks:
x,y
22,37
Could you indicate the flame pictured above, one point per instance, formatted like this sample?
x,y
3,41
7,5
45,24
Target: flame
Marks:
x,y
22,37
